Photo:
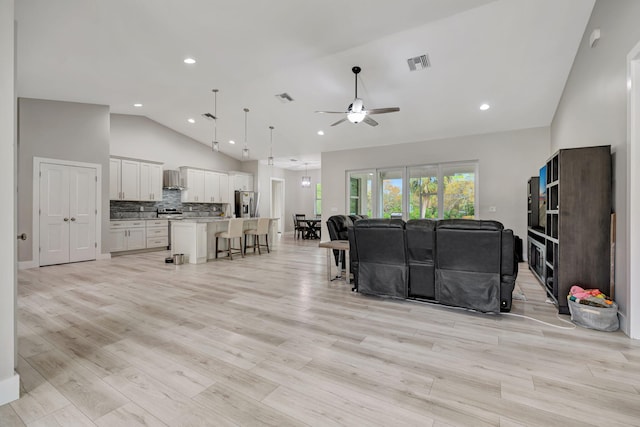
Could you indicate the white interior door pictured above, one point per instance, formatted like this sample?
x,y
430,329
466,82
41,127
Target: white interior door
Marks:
x,y
67,214
54,214
82,211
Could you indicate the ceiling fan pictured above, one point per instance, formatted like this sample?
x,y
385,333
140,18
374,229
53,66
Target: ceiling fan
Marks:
x,y
356,112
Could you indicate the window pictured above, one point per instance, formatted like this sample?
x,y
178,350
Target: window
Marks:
x,y
458,188
360,191
438,191
390,196
423,192
318,205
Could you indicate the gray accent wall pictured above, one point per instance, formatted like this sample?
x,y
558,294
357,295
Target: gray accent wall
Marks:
x,y
141,138
506,161
63,131
593,111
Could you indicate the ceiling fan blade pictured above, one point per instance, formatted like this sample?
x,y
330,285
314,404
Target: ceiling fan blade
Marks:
x,y
332,112
383,110
340,121
368,120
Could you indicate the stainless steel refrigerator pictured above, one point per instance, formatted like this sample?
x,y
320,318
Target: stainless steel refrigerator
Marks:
x,y
246,203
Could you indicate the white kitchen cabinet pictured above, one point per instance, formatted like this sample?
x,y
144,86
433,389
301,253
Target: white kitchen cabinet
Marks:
x,y
202,186
150,182
127,235
211,187
243,182
135,180
224,189
193,183
157,233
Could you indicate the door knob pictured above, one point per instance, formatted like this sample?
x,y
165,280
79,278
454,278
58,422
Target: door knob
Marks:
x,y
73,219
66,219
22,236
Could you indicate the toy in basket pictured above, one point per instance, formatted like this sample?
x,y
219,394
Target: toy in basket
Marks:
x,y
592,309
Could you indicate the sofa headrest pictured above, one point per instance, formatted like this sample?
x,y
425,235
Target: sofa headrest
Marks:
x,y
379,223
339,222
470,224
354,218
421,224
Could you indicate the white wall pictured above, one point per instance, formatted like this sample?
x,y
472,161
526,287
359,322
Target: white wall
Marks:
x,y
64,131
593,111
262,184
9,380
142,138
506,161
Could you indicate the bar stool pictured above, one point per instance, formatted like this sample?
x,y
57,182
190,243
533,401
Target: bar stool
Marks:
x,y
262,229
234,230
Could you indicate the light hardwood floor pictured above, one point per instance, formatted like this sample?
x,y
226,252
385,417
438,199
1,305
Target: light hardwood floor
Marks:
x,y
266,340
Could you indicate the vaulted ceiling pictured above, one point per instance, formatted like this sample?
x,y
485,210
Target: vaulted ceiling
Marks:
x,y
514,55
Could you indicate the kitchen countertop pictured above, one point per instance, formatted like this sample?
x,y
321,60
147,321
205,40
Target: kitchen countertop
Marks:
x,y
215,218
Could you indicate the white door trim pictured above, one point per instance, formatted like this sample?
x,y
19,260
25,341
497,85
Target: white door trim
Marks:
x,y
35,225
281,221
632,325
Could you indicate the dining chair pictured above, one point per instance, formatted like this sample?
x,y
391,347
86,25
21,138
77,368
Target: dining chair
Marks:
x,y
300,227
234,230
262,229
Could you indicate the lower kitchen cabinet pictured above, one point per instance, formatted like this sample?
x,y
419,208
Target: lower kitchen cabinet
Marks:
x,y
157,233
127,235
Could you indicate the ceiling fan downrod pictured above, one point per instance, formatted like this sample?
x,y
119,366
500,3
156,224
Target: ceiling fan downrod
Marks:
x,y
356,70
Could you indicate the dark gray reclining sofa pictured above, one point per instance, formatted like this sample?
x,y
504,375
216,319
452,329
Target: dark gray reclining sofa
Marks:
x,y
463,263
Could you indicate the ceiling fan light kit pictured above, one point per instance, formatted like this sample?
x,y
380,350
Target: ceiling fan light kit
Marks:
x,y
356,112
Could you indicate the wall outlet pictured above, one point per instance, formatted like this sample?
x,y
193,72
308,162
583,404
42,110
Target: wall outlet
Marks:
x,y
492,208
334,209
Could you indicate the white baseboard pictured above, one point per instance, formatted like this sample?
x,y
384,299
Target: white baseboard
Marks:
x,y
624,324
24,265
10,389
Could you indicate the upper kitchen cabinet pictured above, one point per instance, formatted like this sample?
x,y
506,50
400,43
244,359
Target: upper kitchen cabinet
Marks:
x,y
202,186
151,182
124,179
135,180
193,183
241,181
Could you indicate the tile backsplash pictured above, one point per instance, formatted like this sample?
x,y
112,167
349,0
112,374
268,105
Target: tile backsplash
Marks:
x,y
170,200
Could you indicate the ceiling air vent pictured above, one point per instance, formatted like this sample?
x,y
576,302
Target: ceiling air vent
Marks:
x,y
284,97
419,63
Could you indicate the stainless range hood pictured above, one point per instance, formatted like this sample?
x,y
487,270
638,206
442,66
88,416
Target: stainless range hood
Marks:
x,y
171,180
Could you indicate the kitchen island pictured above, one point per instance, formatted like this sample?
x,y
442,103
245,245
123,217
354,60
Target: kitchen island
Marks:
x,y
196,237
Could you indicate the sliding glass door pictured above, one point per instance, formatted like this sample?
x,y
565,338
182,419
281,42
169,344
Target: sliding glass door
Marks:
x,y
438,191
360,193
390,191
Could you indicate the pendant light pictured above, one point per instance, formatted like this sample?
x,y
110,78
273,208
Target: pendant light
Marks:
x,y
306,179
215,145
245,150
270,159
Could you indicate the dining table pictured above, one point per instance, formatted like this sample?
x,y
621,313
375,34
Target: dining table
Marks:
x,y
312,229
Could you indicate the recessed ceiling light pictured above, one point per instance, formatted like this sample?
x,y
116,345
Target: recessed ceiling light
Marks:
x,y
189,61
485,107
320,132
137,105
191,120
231,141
